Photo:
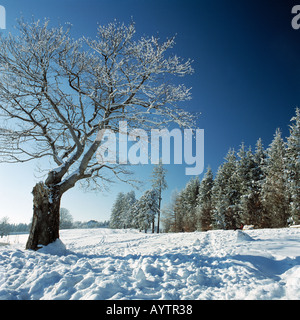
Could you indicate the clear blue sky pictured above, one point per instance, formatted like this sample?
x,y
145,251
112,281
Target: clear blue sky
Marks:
x,y
246,81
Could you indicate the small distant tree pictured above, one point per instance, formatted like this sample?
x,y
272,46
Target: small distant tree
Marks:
x,y
160,184
66,219
4,227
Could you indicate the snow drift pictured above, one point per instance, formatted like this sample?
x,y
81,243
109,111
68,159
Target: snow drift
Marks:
x,y
56,248
126,264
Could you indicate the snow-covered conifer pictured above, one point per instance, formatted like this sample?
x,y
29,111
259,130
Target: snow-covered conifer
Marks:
x,y
274,190
189,204
293,167
226,195
204,209
168,213
250,203
260,156
179,213
127,212
159,183
146,208
254,207
243,167
116,218
122,214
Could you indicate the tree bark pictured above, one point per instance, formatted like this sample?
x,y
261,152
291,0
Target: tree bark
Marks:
x,y
158,214
45,221
153,224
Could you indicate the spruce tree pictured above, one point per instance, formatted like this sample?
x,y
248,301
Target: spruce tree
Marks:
x,y
189,204
252,204
274,190
250,175
204,209
260,157
179,213
122,213
116,218
293,167
226,195
146,208
243,166
127,212
168,213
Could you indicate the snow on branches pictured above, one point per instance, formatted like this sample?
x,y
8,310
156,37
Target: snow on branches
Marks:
x,y
56,93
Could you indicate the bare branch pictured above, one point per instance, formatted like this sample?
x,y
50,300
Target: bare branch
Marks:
x,y
55,95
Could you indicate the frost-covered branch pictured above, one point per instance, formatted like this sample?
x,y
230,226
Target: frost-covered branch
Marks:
x,y
56,93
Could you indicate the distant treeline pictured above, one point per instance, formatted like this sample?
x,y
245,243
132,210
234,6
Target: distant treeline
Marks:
x,y
90,224
7,228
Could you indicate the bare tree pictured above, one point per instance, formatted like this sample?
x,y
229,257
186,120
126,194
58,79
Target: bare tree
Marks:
x,y
4,227
56,93
65,219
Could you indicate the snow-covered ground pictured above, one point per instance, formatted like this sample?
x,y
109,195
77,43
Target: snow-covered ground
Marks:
x,y
126,264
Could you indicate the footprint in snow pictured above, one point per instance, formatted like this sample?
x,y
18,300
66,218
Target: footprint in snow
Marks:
x,y
197,243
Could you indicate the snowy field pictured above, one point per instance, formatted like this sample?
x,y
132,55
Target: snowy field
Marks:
x,y
126,264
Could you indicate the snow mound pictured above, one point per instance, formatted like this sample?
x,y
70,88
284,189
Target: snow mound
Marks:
x,y
242,236
292,278
55,248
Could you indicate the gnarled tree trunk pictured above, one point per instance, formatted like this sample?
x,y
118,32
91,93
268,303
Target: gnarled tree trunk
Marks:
x,y
45,222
